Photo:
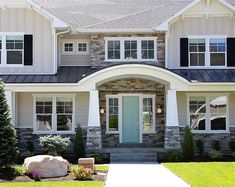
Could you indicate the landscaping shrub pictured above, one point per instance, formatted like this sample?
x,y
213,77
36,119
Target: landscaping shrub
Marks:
x,y
188,145
29,151
54,145
232,146
233,154
215,155
81,173
216,145
8,137
172,157
100,158
79,146
200,147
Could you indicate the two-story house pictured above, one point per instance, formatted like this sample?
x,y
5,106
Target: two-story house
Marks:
x,y
129,72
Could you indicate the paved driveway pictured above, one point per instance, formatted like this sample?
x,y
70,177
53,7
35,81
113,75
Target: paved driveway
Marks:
x,y
142,175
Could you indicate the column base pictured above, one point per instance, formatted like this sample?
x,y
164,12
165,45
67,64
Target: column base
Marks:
x,y
93,141
172,138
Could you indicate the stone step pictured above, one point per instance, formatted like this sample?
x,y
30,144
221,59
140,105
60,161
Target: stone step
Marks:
x,y
130,155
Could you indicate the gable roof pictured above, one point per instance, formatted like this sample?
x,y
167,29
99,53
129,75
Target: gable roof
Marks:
x,y
90,15
113,14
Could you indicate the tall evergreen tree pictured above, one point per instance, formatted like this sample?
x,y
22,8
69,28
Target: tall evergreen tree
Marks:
x,y
188,145
79,146
8,137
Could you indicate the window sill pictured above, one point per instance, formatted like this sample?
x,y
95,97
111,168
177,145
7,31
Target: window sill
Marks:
x,y
109,132
54,132
150,132
131,60
211,132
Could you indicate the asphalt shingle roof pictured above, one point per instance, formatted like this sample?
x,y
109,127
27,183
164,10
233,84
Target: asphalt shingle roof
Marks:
x,y
111,14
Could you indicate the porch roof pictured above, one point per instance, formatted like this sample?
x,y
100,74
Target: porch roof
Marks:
x,y
74,74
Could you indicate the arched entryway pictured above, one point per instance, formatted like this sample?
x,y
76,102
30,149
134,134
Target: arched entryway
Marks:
x,y
133,112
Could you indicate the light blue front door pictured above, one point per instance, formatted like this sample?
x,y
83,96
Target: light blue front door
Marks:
x,y
130,119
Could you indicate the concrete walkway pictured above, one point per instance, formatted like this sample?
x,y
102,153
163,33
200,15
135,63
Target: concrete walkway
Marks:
x,y
142,175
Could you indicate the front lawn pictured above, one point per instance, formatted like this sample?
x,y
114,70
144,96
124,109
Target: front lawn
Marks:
x,y
205,174
53,184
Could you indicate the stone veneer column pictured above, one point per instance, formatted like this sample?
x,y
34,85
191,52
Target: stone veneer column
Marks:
x,y
172,131
94,130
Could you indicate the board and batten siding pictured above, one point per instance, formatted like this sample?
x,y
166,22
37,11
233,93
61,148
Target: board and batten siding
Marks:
x,y
24,109
182,28
29,21
182,108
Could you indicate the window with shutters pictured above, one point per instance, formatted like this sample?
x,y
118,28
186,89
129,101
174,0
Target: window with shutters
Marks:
x,y
207,51
12,49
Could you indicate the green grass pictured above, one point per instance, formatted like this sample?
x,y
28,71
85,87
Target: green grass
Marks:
x,y
103,168
205,174
53,184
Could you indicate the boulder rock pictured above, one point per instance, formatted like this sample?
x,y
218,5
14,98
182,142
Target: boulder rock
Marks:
x,y
46,165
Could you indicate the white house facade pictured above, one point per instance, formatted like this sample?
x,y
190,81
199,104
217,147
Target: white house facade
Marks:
x,y
130,73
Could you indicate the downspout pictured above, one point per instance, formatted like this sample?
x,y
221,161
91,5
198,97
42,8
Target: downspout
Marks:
x,y
55,36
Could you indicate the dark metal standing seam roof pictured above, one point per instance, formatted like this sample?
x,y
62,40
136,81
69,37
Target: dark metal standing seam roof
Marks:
x,y
74,74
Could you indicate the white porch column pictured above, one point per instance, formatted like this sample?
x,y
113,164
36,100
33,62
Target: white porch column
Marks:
x,y
172,131
94,114
171,109
94,129
10,97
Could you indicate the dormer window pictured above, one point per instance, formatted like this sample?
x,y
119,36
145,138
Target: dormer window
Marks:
x,y
130,49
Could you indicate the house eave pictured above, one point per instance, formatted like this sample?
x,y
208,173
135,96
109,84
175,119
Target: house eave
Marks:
x,y
118,30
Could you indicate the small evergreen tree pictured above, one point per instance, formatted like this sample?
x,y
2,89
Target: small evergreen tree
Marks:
x,y
8,137
188,145
79,147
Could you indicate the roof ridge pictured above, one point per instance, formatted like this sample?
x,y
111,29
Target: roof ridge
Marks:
x,y
133,14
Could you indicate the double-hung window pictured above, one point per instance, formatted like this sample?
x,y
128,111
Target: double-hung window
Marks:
x,y
208,113
112,114
54,114
130,49
148,114
114,49
207,51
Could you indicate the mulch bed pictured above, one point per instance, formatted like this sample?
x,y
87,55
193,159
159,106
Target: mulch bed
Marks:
x,y
99,176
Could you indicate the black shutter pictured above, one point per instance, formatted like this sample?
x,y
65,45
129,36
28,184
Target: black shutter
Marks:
x,y
184,52
28,50
230,51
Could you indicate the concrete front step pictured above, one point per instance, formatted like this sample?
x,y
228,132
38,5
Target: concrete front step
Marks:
x,y
133,155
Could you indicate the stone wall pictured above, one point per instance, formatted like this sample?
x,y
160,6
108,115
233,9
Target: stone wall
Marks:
x,y
133,85
26,134
98,48
208,138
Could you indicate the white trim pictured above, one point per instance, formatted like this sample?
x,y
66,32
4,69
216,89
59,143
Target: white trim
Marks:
x,y
141,97
87,47
56,22
75,46
207,50
165,25
54,114
207,114
4,50
122,51
68,52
